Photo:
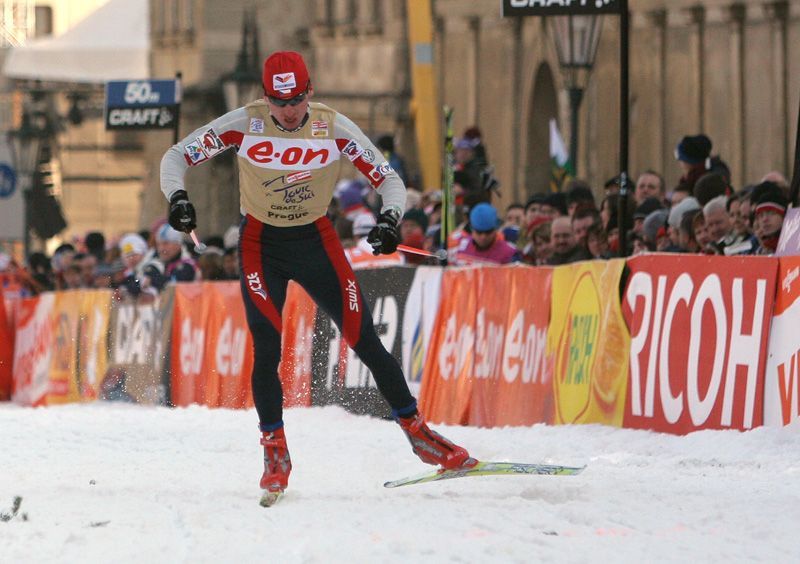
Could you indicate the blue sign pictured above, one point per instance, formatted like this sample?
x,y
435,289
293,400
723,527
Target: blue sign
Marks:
x,y
138,93
142,104
8,181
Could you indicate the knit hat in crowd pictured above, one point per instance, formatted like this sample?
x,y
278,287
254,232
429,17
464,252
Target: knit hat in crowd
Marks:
x,y
709,186
483,217
693,149
677,211
285,75
166,233
653,223
132,244
770,198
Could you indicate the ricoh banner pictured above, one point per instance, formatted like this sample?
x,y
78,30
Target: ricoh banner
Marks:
x,y
699,327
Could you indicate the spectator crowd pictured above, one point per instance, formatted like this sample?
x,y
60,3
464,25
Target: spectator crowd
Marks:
x,y
703,214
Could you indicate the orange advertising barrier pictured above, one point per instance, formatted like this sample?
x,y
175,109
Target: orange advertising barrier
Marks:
x,y
189,361
212,349
590,341
6,352
32,350
487,363
228,353
447,380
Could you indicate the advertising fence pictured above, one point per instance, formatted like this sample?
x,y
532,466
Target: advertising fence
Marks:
x,y
669,343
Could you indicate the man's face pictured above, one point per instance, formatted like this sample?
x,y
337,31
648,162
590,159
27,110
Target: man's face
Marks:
x,y
168,250
532,212
514,216
766,224
289,116
580,227
718,224
88,264
409,228
561,235
648,186
745,207
463,155
484,239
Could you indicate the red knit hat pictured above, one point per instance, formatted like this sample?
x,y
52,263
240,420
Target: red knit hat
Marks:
x,y
285,75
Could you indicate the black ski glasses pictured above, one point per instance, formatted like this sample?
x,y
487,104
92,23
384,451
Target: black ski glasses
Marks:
x,y
291,101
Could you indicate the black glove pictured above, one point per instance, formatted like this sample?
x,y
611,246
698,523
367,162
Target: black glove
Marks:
x,y
384,237
181,212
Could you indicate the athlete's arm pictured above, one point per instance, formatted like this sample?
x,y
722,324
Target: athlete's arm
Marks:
x,y
199,146
369,161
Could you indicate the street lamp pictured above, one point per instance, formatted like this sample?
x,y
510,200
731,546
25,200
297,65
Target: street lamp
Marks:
x,y
576,39
244,85
26,143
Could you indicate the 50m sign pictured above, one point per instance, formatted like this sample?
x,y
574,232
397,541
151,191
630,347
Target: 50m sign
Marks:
x,y
142,104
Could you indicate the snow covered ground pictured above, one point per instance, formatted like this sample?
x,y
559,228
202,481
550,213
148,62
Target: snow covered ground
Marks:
x,y
122,483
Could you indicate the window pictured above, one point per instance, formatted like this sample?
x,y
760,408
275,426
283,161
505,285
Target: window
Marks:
x,y
43,21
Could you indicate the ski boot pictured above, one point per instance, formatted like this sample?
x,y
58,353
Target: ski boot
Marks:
x,y
277,466
431,447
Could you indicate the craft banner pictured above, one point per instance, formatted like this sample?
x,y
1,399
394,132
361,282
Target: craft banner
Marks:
x,y
93,346
190,323
33,346
699,329
229,350
524,390
781,387
63,361
590,341
338,375
6,351
295,369
447,383
140,333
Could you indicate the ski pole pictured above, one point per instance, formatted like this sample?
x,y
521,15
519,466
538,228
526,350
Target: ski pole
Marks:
x,y
198,246
440,254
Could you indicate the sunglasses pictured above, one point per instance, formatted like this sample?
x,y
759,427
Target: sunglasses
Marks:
x,y
289,102
484,232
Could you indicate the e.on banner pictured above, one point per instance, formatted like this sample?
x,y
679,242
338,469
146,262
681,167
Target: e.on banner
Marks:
x,y
487,363
229,348
516,367
781,388
32,350
189,326
589,339
699,328
447,380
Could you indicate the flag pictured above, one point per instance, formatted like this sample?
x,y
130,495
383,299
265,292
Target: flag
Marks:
x,y
562,169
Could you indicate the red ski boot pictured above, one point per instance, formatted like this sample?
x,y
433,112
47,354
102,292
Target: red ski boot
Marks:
x,y
277,466
431,447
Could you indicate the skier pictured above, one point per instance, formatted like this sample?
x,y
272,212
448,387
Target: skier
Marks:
x,y
289,153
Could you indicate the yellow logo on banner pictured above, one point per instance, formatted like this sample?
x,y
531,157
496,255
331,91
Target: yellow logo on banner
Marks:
x,y
577,349
590,340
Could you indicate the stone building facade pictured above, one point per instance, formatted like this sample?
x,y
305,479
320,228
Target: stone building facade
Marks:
x,y
722,67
